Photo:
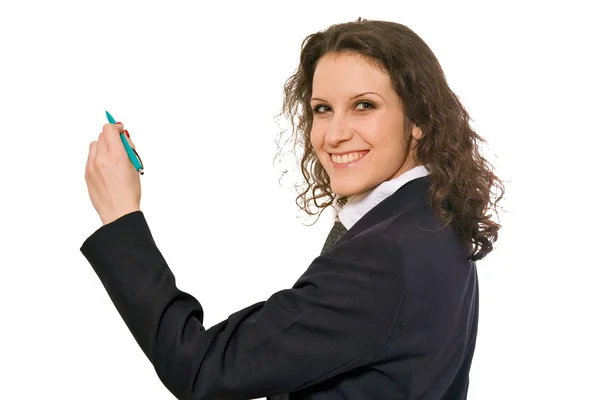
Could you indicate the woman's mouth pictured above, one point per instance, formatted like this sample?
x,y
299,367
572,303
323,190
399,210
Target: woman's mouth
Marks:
x,y
348,159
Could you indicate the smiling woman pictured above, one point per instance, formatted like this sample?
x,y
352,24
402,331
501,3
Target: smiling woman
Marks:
x,y
389,309
359,138
408,116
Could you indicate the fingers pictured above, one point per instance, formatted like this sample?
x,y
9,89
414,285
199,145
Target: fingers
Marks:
x,y
110,134
91,157
118,125
102,145
109,140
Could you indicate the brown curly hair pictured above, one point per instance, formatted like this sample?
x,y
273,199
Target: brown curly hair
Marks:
x,y
461,178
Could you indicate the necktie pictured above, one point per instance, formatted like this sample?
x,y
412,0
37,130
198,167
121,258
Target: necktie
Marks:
x,y
335,234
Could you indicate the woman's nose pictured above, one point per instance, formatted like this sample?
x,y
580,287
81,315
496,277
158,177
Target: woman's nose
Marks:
x,y
338,131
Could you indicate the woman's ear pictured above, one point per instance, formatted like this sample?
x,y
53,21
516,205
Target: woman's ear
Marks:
x,y
416,132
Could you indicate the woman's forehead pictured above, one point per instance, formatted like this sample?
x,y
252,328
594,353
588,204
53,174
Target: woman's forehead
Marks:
x,y
348,75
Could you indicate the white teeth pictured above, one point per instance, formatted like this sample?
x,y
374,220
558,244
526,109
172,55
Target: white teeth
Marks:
x,y
346,158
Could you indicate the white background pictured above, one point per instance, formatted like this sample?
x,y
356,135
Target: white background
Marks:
x,y
198,87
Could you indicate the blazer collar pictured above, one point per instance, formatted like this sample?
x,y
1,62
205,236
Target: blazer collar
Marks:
x,y
409,197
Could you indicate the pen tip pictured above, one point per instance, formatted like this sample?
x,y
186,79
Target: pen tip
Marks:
x,y
110,118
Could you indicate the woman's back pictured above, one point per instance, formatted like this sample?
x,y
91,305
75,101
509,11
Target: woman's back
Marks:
x,y
429,345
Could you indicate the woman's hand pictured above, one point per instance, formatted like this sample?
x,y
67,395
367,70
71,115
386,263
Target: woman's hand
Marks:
x,y
113,183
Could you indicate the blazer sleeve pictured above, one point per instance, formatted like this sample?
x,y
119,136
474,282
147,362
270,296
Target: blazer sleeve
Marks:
x,y
335,318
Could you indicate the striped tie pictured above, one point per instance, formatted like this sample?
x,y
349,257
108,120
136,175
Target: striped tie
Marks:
x,y
335,234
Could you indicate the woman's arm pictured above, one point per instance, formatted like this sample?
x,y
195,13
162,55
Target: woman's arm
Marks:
x,y
336,317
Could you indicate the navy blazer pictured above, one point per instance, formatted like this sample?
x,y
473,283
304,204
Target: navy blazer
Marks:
x,y
389,312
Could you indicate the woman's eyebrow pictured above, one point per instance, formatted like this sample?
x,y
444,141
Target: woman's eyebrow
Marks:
x,y
351,98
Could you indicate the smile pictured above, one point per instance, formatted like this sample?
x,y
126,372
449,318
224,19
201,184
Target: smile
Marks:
x,y
348,159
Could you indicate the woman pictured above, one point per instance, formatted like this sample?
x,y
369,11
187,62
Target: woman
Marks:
x,y
389,309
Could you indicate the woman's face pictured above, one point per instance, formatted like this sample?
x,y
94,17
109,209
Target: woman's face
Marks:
x,y
358,124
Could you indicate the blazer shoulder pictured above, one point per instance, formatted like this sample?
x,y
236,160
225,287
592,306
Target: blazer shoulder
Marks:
x,y
423,221
420,230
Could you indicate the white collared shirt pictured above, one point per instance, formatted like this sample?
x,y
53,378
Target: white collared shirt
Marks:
x,y
360,204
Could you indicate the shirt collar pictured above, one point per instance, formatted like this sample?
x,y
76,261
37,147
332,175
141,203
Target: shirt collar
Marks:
x,y
358,205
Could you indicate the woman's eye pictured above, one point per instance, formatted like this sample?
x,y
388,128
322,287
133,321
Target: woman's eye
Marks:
x,y
366,105
321,108
363,105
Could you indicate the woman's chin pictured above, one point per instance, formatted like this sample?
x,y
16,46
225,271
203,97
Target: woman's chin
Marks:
x,y
345,190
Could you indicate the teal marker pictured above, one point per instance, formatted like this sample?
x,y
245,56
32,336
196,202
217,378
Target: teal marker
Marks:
x,y
133,156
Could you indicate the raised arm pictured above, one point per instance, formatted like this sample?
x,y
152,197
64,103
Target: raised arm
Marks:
x,y
336,317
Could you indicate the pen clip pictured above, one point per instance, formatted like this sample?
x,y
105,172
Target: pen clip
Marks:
x,y
141,163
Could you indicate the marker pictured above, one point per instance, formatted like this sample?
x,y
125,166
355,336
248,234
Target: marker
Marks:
x,y
133,155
